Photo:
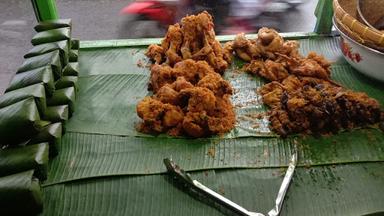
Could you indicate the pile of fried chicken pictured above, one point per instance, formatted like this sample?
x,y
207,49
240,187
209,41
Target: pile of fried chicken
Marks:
x,y
189,95
301,95
191,98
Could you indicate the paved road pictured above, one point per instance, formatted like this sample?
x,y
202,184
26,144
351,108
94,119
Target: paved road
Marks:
x,y
92,19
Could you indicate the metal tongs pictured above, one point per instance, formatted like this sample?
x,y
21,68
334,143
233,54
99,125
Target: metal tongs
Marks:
x,y
196,187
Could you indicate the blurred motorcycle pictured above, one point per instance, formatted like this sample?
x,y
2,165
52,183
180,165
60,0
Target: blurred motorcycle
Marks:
x,y
151,18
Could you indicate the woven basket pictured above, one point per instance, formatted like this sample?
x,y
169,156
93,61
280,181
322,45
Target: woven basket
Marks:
x,y
371,13
345,17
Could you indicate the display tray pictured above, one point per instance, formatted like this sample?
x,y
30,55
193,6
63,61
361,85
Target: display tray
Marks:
x,y
106,167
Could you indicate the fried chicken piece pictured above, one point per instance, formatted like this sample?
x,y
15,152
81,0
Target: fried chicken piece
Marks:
x,y
228,51
197,99
195,124
172,43
246,49
216,84
167,94
155,52
222,118
274,71
269,40
160,75
180,84
157,116
290,48
255,67
271,93
192,71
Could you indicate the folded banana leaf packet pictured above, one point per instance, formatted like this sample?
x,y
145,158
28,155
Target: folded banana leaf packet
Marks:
x,y
20,194
65,96
36,91
75,44
57,113
66,82
62,46
51,59
19,122
51,36
52,134
23,158
73,55
35,76
53,24
71,69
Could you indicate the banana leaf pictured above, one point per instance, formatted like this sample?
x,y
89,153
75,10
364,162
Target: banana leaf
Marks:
x,y
22,158
36,91
56,113
62,46
53,24
75,44
71,69
20,194
52,134
19,122
92,155
39,75
51,59
52,35
73,55
67,81
352,189
65,96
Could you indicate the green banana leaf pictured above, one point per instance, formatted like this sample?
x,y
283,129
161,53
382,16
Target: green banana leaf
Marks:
x,y
20,194
62,46
67,81
71,69
19,122
52,134
65,96
51,59
105,167
24,158
91,155
36,91
73,55
52,35
39,75
75,44
323,190
56,113
53,24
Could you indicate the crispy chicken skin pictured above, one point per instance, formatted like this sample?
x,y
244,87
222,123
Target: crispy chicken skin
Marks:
x,y
301,94
157,116
193,38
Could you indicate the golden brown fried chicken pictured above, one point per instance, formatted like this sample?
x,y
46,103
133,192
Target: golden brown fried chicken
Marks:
x,y
197,99
172,43
274,71
167,94
269,40
192,71
180,84
246,49
255,67
160,75
222,118
157,116
216,84
193,39
155,52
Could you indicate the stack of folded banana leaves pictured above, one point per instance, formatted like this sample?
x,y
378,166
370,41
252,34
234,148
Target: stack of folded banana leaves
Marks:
x,y
33,112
